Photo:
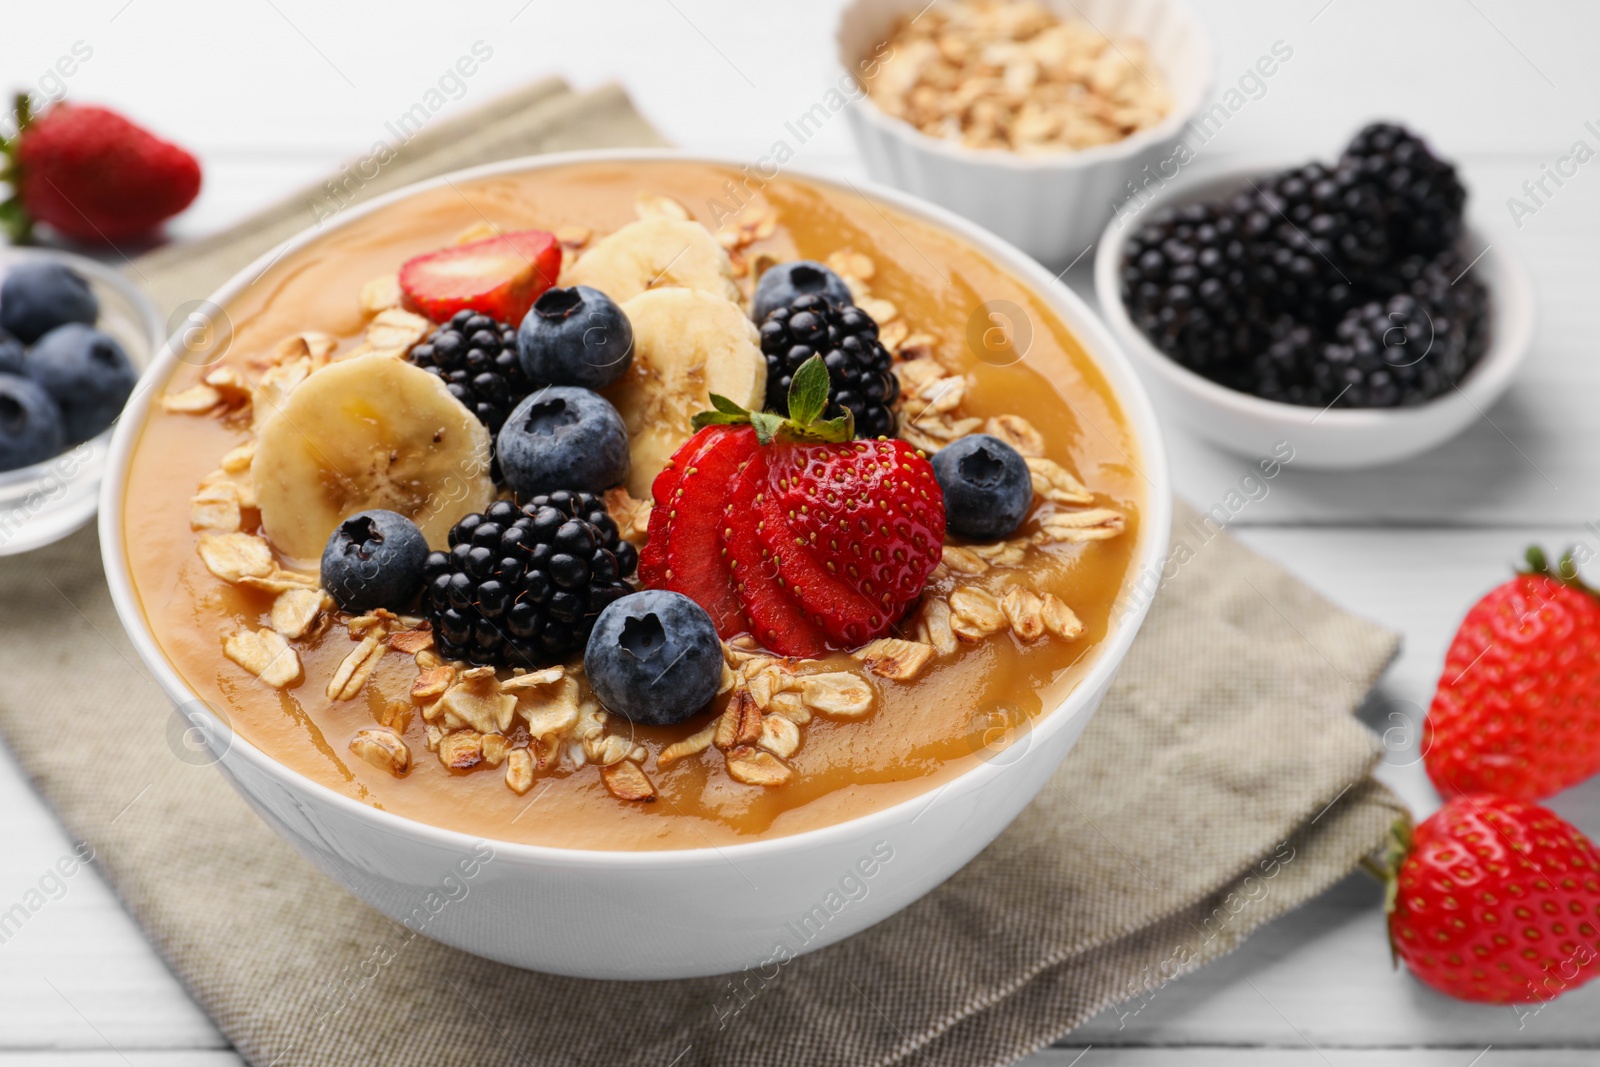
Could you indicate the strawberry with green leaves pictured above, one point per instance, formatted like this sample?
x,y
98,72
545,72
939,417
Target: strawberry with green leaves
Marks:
x,y
91,175
822,541
1495,900
1517,710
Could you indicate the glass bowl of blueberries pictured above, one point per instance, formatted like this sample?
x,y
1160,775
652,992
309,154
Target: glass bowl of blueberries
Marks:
x,y
75,336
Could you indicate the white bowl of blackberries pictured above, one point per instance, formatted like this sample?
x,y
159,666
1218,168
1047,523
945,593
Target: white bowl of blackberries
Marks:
x,y
1351,309
74,337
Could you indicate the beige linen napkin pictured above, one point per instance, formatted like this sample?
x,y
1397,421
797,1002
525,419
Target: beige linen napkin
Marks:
x,y
1223,782
543,117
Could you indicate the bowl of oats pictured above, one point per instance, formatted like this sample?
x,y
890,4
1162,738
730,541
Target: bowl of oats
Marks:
x,y
1032,118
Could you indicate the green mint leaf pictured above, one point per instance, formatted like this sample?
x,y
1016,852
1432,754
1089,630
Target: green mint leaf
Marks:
x,y
808,392
767,425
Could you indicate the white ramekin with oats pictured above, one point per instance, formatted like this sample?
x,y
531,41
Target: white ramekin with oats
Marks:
x,y
1032,118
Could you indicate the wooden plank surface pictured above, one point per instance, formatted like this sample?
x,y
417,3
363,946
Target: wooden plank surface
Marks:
x,y
1504,87
1074,1056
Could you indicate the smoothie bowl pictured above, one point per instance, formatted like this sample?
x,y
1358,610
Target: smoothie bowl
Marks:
x,y
612,565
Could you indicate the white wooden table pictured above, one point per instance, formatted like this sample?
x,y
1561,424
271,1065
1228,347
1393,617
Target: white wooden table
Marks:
x,y
273,93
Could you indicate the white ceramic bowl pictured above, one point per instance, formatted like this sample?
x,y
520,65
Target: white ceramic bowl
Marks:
x,y
43,503
1050,206
661,914
1336,438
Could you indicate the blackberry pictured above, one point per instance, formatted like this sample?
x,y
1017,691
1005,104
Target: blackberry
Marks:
x,y
1282,370
1328,230
1447,284
1425,326
1190,286
1391,353
1445,281
860,374
1322,285
477,358
522,587
1422,194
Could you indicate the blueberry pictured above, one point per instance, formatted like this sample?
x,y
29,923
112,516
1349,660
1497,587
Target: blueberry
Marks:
x,y
785,282
575,336
12,360
375,559
654,658
35,298
31,429
87,373
563,437
987,488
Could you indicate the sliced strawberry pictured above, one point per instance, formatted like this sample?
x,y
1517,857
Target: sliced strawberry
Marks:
x,y
871,512
846,616
499,276
777,621
653,556
693,560
827,538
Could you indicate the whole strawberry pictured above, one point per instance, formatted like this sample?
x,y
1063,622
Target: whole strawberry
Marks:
x,y
1516,712
92,175
1496,900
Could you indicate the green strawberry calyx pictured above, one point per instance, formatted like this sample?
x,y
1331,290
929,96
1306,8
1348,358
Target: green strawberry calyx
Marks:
x,y
15,222
1384,866
808,399
1565,570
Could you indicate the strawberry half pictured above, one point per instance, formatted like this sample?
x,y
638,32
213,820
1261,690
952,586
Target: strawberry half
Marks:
x,y
869,512
778,622
692,507
499,276
845,615
653,556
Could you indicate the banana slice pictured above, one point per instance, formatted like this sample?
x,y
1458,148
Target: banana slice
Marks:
x,y
368,432
686,345
655,253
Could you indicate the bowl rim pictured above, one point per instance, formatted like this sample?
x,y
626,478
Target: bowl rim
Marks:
x,y
1163,133
147,318
1511,305
1098,344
